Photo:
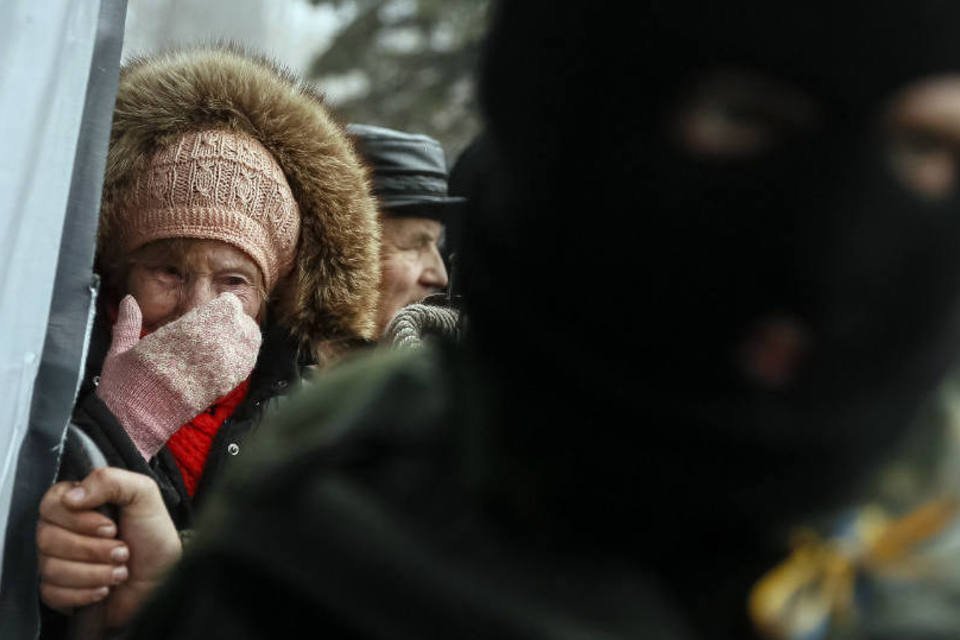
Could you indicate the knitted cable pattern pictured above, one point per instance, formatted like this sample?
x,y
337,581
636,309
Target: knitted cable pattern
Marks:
x,y
416,322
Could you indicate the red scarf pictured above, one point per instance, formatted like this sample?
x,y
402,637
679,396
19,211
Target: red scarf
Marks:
x,y
190,445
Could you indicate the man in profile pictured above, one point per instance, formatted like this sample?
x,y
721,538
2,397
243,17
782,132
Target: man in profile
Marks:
x,y
409,173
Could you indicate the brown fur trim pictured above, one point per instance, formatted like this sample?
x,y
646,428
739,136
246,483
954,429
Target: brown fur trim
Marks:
x,y
332,292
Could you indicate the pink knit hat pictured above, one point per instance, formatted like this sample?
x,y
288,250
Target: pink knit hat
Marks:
x,y
216,185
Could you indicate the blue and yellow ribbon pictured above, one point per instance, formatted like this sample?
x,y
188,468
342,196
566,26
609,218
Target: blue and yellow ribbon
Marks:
x,y
813,591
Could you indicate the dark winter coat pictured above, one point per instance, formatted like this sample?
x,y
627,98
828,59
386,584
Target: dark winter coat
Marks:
x,y
359,515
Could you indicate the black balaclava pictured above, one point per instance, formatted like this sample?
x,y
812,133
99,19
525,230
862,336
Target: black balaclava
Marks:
x,y
639,269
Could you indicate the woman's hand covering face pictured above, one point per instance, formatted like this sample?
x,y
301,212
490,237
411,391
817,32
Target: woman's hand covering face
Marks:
x,y
155,384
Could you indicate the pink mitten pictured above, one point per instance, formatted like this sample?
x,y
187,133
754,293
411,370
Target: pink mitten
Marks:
x,y
154,385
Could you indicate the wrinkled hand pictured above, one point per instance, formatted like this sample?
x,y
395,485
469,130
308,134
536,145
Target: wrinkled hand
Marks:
x,y
156,384
81,560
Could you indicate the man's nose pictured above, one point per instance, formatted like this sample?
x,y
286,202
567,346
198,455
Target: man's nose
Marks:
x,y
434,272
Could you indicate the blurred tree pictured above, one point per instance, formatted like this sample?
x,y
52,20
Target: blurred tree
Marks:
x,y
406,64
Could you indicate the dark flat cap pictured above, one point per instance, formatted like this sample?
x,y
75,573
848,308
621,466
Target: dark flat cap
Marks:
x,y
409,172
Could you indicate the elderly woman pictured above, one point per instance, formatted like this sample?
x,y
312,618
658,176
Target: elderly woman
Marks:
x,y
238,243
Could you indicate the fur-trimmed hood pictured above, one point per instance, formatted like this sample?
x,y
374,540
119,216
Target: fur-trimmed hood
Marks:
x,y
330,296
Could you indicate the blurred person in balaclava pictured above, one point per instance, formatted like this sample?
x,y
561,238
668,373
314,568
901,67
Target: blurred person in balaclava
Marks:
x,y
744,283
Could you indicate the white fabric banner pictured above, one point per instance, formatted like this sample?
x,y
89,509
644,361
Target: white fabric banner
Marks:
x,y
45,59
